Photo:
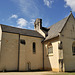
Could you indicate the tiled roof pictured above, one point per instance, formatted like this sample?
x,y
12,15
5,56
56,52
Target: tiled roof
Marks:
x,y
26,32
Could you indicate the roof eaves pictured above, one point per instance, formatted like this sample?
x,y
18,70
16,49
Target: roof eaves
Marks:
x,y
52,38
24,34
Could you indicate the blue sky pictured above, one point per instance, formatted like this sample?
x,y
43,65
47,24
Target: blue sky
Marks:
x,y
22,13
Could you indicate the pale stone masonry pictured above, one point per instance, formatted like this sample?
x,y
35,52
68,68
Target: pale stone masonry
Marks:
x,y
51,48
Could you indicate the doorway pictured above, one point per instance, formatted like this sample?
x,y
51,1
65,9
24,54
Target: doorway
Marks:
x,y
28,66
61,65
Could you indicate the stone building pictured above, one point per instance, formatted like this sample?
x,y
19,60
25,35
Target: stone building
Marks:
x,y
51,48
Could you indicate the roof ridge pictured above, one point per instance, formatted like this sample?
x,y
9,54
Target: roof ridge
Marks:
x,y
58,21
63,18
16,30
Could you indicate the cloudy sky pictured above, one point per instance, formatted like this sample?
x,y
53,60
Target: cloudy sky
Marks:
x,y
22,13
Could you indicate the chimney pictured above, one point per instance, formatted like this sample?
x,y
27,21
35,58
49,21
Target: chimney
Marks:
x,y
38,24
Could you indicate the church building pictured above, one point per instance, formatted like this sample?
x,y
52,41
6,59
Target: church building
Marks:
x,y
51,48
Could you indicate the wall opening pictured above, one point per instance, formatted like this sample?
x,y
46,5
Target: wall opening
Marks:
x,y
34,47
29,66
73,48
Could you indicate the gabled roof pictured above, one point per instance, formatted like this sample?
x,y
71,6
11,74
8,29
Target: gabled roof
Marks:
x,y
56,28
26,32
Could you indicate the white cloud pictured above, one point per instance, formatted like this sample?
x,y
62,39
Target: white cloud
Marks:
x,y
13,16
28,7
71,4
32,21
21,22
48,2
65,6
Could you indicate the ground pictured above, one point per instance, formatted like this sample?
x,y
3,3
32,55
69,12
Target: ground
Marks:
x,y
36,73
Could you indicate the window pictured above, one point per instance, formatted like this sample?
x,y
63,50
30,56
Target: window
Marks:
x,y
60,45
50,50
73,48
22,42
34,47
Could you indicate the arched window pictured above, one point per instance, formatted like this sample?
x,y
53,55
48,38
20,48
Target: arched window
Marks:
x,y
50,49
73,48
34,47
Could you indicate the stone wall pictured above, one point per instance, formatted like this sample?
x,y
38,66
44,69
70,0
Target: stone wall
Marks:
x,y
68,37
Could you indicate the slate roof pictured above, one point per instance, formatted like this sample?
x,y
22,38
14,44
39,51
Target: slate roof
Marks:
x,y
56,28
26,32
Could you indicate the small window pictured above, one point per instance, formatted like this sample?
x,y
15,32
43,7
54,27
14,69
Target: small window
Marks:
x,y
22,41
50,50
73,48
60,47
34,47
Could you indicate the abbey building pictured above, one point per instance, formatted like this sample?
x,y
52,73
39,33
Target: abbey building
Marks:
x,y
51,48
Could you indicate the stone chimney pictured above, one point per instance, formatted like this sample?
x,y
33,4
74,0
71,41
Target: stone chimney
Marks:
x,y
38,24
